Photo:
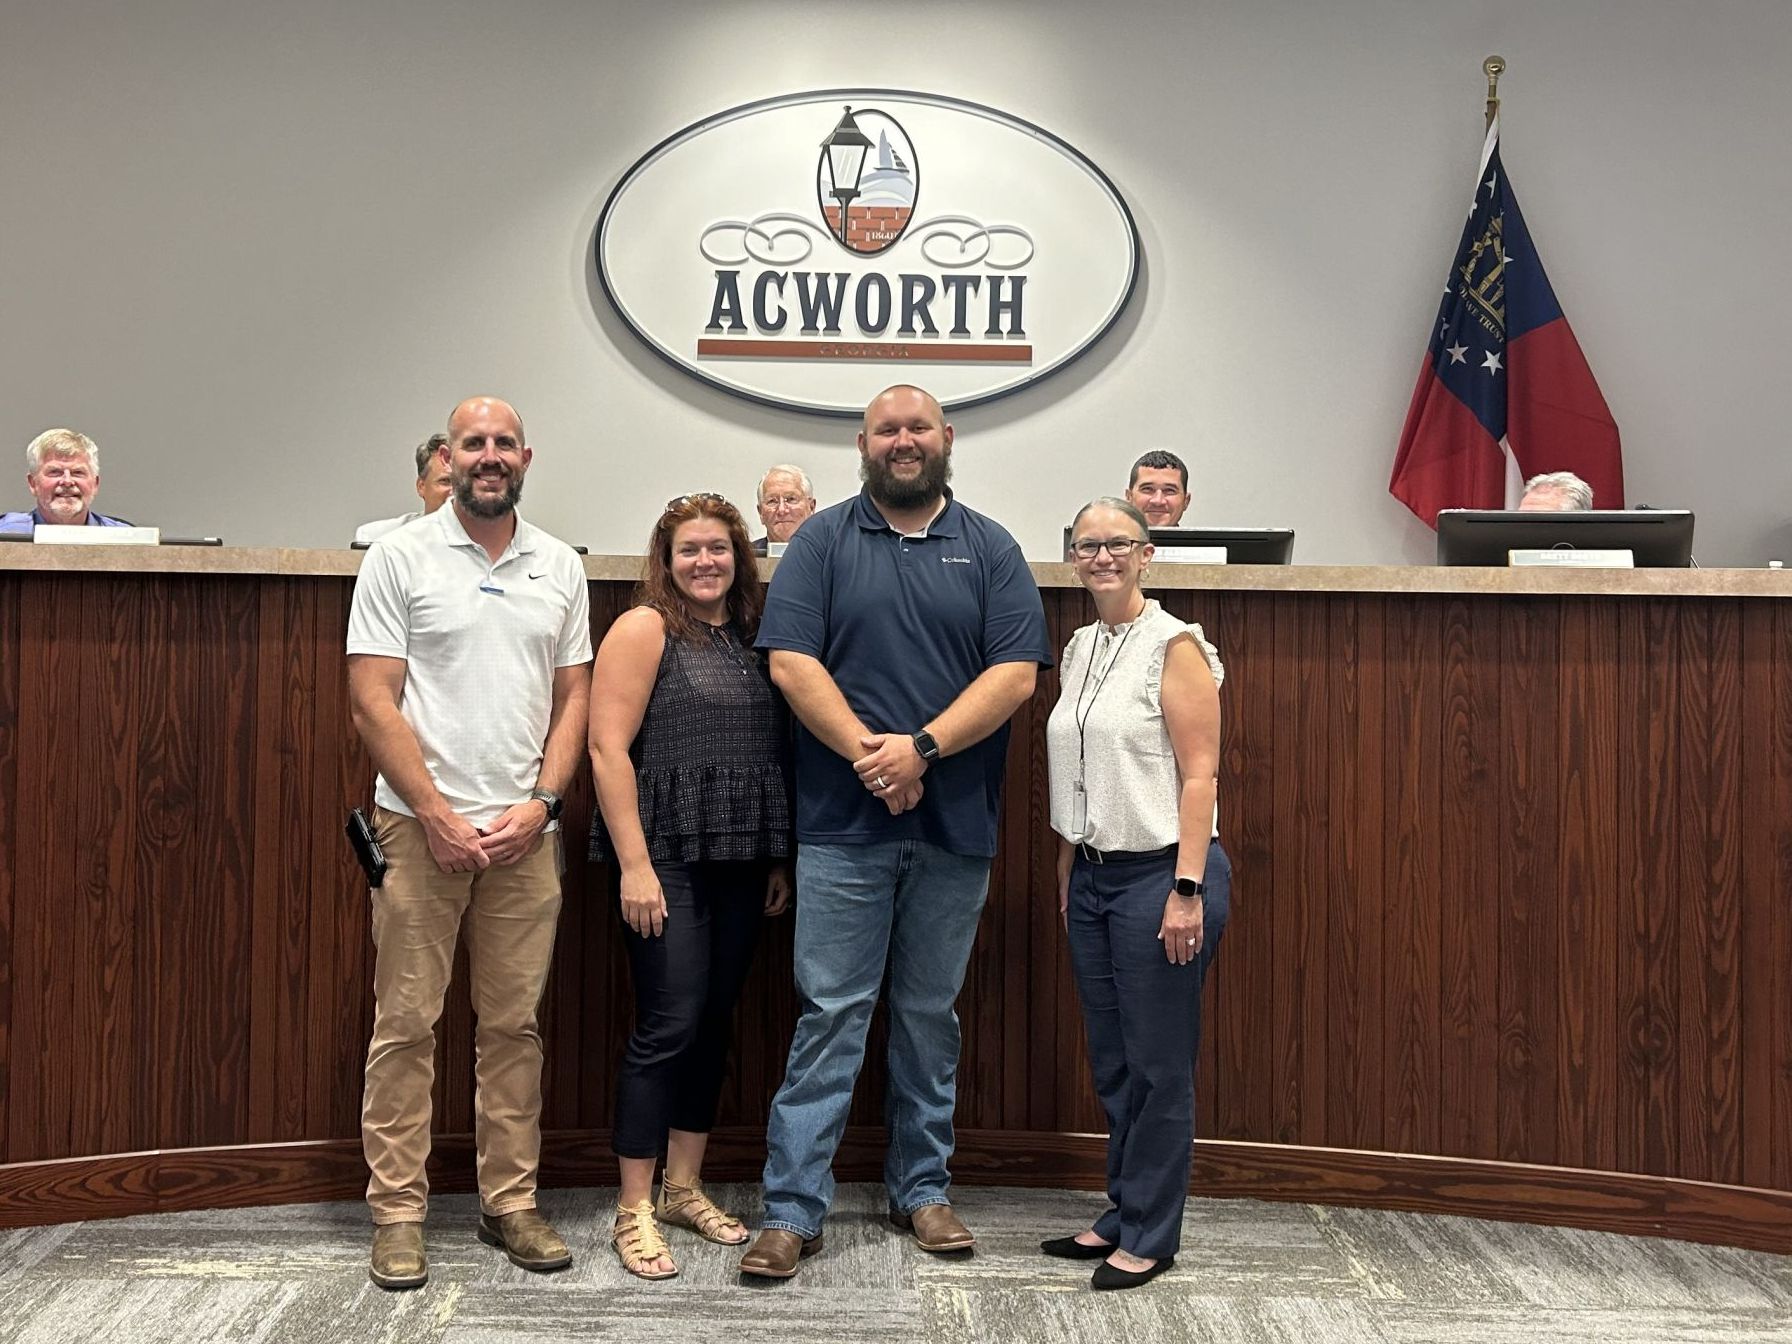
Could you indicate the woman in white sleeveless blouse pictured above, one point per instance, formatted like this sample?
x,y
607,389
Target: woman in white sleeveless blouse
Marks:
x,y
1143,885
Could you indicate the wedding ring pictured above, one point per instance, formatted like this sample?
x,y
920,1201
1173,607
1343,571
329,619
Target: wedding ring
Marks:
x,y
880,783
1193,941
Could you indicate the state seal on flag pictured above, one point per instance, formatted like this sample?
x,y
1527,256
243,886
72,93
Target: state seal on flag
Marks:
x,y
1483,275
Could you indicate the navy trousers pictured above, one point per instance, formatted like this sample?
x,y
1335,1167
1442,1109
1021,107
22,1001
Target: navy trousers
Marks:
x,y
1142,1016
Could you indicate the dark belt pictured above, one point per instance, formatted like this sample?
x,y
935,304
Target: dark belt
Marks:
x,y
1094,855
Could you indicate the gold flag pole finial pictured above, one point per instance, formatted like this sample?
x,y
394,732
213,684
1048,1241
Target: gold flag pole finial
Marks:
x,y
1495,66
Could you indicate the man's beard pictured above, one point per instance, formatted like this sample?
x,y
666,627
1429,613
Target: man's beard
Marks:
x,y
491,506
894,494
70,504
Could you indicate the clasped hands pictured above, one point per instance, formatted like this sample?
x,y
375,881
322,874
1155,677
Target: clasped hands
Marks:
x,y
892,770
459,847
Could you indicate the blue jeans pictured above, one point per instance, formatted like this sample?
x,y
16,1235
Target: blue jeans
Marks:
x,y
1142,1016
912,907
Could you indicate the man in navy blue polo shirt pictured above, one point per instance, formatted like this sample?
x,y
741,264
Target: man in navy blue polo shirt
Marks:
x,y
904,630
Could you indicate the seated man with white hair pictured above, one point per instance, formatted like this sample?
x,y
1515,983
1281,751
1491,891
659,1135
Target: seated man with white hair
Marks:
x,y
62,469
1556,492
786,499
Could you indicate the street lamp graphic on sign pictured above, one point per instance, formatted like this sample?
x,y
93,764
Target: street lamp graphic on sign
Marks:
x,y
845,152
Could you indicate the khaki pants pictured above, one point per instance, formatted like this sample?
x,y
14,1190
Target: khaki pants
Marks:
x,y
510,916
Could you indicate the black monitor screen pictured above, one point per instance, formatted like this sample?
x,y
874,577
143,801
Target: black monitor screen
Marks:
x,y
1244,545
1656,538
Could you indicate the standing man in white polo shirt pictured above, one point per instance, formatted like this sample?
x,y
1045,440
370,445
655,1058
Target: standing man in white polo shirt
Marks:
x,y
469,648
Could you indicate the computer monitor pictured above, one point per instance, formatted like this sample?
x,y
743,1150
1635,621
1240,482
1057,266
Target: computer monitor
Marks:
x,y
1656,538
1243,545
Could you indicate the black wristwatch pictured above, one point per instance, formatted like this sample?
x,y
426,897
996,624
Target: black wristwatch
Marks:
x,y
924,743
551,801
1187,886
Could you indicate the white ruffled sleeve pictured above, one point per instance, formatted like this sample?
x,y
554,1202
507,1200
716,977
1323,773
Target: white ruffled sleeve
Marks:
x,y
1154,671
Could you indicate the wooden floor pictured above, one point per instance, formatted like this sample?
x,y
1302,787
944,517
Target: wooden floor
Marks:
x,y
1249,1272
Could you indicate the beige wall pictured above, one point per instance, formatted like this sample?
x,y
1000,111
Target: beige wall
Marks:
x,y
258,251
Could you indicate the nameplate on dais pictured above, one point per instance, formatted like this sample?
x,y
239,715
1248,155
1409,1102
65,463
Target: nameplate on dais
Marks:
x,y
1190,555
1574,558
55,534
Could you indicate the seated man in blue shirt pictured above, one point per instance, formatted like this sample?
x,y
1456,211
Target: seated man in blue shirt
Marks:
x,y
62,468
433,488
904,629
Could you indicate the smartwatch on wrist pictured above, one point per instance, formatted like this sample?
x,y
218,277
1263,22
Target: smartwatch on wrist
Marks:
x,y
924,743
551,801
1187,886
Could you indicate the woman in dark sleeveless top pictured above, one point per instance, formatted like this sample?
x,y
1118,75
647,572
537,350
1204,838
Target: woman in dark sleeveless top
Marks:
x,y
690,748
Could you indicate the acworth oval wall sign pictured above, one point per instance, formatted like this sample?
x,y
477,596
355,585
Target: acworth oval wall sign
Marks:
x,y
806,250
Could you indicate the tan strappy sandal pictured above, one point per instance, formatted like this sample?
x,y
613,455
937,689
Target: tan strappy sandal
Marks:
x,y
688,1206
638,1242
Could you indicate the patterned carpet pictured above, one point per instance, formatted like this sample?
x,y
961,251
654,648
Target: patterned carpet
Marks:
x,y
1248,1272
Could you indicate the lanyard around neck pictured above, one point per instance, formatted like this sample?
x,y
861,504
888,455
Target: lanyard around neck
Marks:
x,y
1081,712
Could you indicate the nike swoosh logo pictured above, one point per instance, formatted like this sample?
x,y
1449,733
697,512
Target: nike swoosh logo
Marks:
x,y
541,575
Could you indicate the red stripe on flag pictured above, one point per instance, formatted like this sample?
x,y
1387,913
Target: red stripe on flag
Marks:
x,y
1556,418
1446,458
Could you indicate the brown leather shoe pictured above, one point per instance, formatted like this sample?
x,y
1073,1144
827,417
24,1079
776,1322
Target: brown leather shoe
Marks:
x,y
527,1238
398,1261
777,1253
935,1228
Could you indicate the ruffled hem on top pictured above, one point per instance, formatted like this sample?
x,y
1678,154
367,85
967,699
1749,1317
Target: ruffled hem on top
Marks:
x,y
693,814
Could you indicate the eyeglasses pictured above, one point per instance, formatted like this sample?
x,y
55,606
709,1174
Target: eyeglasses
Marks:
x,y
1118,547
696,497
783,501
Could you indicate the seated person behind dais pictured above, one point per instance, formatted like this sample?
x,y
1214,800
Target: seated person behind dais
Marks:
x,y
786,499
62,469
1158,488
432,489
1556,492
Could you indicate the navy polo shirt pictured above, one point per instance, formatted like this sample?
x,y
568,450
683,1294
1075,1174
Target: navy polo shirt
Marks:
x,y
903,624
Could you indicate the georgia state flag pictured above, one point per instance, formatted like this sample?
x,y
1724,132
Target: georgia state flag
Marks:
x,y
1504,374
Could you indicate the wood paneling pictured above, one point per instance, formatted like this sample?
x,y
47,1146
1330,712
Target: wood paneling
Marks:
x,y
1530,644
11,668
35,1193
1511,885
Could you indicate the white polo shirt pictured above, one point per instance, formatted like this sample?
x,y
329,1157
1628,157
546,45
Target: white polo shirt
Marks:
x,y
368,533
481,642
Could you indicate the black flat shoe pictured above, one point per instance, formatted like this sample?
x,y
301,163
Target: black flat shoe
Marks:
x,y
1108,1276
1069,1248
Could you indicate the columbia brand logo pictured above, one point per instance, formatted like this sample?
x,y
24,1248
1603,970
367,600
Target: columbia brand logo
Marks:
x,y
955,559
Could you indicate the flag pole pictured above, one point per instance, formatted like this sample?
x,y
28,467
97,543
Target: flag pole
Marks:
x,y
1495,66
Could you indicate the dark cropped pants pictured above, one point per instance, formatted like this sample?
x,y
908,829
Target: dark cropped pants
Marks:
x,y
686,983
1143,1019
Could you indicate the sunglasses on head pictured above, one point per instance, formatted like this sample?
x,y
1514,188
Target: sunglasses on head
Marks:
x,y
696,497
